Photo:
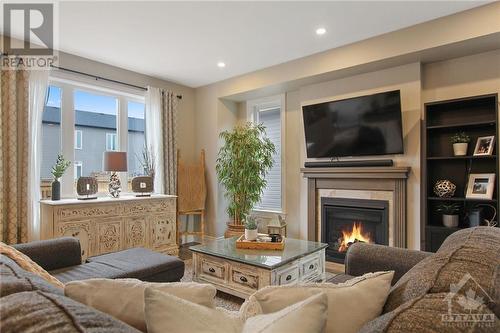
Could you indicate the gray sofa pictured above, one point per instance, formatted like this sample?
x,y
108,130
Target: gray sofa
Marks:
x,y
61,257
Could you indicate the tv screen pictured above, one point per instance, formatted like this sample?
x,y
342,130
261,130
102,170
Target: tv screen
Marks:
x,y
360,126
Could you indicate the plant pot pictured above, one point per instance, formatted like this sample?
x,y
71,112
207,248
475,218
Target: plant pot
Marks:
x,y
450,221
56,190
460,149
251,235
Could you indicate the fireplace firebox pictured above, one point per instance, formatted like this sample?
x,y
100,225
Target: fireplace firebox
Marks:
x,y
347,221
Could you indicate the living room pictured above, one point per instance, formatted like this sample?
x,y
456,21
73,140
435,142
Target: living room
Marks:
x,y
124,158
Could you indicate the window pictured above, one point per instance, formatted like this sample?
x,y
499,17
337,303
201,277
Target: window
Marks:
x,y
78,169
78,139
111,144
269,113
136,138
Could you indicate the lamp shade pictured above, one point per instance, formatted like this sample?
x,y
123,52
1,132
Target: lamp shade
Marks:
x,y
114,161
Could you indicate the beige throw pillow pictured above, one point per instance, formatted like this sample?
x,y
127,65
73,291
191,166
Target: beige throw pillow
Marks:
x,y
124,298
167,313
350,305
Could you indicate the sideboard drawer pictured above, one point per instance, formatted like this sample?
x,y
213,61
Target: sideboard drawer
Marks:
x,y
212,268
288,276
244,278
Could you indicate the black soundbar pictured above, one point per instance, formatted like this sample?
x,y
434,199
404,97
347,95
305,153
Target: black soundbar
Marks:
x,y
346,164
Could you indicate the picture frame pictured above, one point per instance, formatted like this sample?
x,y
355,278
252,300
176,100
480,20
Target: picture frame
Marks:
x,y
484,146
481,186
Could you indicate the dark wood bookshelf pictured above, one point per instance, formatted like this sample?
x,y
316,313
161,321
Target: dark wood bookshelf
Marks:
x,y
477,116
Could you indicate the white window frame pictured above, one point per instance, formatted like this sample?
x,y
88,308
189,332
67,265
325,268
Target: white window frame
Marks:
x,y
253,107
78,132
114,138
68,83
78,164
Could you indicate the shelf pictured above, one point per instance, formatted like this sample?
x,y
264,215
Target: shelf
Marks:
x,y
462,157
460,199
464,125
442,227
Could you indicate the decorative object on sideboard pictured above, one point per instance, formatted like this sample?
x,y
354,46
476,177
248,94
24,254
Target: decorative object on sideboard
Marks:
x,y
143,186
242,165
278,227
444,188
251,232
477,216
460,143
450,214
481,186
58,171
484,146
114,161
86,188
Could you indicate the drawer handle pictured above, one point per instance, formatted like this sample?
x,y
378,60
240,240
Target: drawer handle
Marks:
x,y
243,279
289,277
311,266
211,270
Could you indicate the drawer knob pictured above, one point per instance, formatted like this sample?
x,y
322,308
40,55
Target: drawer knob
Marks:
x,y
211,270
243,279
289,277
311,266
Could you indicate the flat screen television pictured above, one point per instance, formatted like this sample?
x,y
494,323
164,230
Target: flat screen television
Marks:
x,y
359,126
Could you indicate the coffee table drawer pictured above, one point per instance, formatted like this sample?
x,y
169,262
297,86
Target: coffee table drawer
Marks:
x,y
213,268
288,276
310,267
245,278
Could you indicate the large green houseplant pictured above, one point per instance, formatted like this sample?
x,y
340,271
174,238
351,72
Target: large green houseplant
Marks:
x,y
242,165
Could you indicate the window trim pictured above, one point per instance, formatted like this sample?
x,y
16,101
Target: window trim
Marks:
x,y
81,139
115,140
76,165
271,102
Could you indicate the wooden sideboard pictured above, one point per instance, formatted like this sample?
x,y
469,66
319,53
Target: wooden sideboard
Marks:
x,y
108,225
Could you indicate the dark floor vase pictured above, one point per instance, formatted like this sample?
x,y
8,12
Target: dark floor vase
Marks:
x,y
56,190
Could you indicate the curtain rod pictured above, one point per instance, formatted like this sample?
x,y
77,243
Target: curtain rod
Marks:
x,y
104,79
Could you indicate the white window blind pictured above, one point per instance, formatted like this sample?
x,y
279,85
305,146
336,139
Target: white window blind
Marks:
x,y
271,199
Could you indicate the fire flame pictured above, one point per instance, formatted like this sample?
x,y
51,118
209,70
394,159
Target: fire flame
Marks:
x,y
353,236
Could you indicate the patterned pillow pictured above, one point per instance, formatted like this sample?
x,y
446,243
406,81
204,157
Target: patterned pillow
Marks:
x,y
28,265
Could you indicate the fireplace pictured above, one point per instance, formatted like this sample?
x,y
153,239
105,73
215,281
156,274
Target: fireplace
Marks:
x,y
346,221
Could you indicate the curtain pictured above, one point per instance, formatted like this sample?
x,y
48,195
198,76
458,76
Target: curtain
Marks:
x,y
38,84
161,123
14,154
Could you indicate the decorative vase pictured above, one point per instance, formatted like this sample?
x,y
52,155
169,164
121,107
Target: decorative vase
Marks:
x,y
460,149
444,188
251,235
450,221
56,190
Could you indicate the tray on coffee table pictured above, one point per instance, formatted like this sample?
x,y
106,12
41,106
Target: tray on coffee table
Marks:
x,y
242,243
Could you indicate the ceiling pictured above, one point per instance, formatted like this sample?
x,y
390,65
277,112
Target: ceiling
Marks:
x,y
183,41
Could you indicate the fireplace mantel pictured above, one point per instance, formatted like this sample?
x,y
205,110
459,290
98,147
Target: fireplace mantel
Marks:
x,y
390,181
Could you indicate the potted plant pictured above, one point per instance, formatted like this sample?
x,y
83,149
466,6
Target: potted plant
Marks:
x,y
251,228
460,143
450,214
58,171
242,164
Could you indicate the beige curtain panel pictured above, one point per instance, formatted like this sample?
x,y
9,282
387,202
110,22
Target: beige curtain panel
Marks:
x,y
14,131
169,103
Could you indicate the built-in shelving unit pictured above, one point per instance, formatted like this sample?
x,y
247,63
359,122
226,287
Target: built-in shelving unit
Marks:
x,y
477,116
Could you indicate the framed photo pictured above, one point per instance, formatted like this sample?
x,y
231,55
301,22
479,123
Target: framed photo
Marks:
x,y
484,145
481,186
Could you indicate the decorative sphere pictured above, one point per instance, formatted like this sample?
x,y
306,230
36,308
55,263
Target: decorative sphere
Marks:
x,y
444,189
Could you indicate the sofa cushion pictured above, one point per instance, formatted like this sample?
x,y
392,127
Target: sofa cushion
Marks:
x,y
37,311
143,264
14,279
87,271
471,251
430,313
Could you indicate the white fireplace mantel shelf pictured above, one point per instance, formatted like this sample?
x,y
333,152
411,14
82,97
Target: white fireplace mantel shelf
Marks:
x,y
368,172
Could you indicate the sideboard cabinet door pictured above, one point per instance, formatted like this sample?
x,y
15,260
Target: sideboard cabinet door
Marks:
x,y
136,232
83,230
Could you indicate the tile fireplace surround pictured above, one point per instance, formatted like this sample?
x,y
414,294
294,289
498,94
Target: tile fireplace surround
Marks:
x,y
372,183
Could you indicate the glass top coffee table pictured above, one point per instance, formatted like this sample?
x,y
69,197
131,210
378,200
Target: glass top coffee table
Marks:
x,y
241,272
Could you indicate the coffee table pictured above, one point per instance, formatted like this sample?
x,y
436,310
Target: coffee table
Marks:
x,y
242,272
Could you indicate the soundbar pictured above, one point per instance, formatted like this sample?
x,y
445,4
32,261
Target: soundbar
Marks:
x,y
347,164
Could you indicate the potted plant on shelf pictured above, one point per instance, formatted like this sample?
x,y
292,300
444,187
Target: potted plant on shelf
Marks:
x,y
242,164
450,214
460,143
58,171
251,228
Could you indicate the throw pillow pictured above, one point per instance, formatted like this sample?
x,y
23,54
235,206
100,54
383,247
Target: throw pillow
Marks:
x,y
124,298
28,265
350,304
166,313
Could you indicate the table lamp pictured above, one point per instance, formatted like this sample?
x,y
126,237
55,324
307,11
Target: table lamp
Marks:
x,y
114,161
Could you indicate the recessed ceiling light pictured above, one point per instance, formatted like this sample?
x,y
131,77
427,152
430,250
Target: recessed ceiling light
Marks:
x,y
220,64
320,31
